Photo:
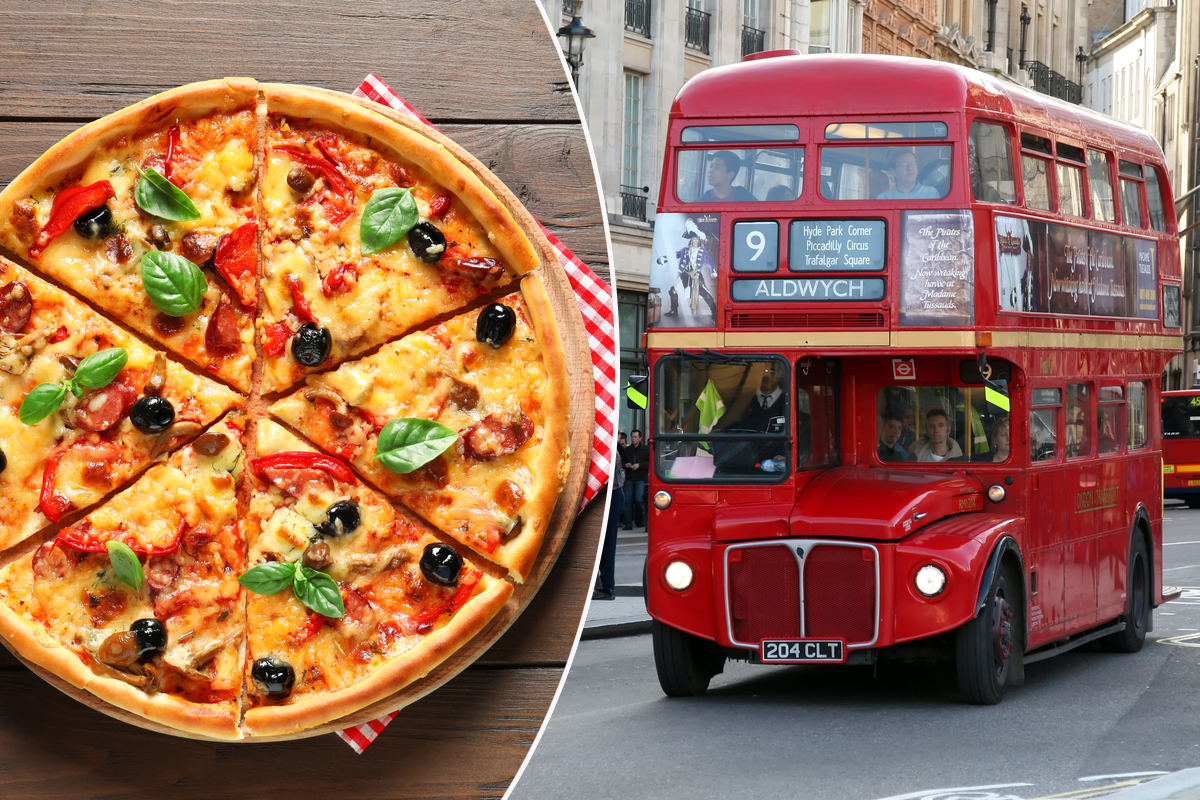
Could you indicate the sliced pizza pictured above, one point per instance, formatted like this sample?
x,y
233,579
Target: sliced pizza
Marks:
x,y
371,229
84,406
350,601
150,213
495,379
139,603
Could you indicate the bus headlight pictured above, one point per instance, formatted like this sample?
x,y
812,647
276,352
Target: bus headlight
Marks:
x,y
679,575
996,493
662,500
930,580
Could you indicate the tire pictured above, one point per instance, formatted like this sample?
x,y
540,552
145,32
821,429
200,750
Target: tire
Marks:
x,y
685,663
1137,603
984,648
1192,502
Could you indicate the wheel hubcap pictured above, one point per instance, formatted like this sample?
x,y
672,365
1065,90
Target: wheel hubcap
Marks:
x,y
1001,632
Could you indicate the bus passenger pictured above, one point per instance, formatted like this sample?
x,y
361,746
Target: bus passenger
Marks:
x,y
1001,441
940,446
904,171
780,193
723,167
908,436
890,428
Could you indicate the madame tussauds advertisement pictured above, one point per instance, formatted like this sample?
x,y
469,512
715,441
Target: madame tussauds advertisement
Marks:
x,y
683,274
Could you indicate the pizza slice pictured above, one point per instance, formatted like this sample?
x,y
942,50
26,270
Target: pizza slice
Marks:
x,y
150,213
495,379
371,229
84,406
139,603
349,600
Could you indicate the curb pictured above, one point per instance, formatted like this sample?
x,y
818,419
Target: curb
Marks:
x,y
615,629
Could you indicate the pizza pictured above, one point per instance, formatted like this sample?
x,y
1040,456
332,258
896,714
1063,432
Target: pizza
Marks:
x,y
201,262
93,441
493,490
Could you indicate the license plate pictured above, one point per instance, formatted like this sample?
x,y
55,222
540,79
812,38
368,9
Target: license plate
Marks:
x,y
1193,483
802,651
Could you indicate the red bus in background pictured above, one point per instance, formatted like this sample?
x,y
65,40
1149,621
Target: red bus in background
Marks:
x,y
907,327
1181,446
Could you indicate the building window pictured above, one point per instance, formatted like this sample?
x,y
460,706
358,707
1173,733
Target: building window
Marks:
x,y
819,27
753,39
696,26
637,16
633,202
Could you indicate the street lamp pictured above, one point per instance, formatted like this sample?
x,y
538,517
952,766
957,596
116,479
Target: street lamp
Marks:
x,y
1025,20
573,38
991,29
1080,59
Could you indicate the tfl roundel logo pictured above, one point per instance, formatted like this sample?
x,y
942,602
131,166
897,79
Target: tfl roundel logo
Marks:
x,y
904,369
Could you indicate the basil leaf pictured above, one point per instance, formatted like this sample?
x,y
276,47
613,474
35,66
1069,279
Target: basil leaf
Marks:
x,y
319,592
270,578
99,369
175,285
156,195
125,564
409,443
41,402
389,215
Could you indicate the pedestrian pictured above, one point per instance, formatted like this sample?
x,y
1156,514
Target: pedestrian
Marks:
x,y
622,457
607,590
638,471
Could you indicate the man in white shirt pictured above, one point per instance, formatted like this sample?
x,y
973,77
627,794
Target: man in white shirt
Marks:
x,y
904,170
940,446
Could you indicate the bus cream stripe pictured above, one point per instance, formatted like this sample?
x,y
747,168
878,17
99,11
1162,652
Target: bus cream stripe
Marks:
x,y
910,340
807,339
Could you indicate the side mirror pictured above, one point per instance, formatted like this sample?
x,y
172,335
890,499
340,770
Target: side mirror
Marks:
x,y
635,392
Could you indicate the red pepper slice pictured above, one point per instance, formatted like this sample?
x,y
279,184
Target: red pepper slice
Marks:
x,y
310,628
423,620
83,538
331,147
68,206
299,459
53,505
337,181
299,301
59,335
440,205
275,336
338,277
236,259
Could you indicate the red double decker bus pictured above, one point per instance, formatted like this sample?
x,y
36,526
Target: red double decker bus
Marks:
x,y
907,326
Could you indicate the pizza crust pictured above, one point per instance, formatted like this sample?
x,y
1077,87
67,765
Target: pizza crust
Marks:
x,y
391,677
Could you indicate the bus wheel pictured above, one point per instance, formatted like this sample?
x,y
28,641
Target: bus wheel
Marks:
x,y
984,647
685,663
1137,608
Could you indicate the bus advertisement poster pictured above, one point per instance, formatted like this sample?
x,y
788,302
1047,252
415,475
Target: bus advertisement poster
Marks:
x,y
1045,268
683,273
937,268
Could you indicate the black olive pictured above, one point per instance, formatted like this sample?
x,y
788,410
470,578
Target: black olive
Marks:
x,y
273,676
496,324
343,518
152,414
150,635
160,237
3,461
441,563
311,345
94,224
427,242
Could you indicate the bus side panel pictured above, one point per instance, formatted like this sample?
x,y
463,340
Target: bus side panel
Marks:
x,y
1182,458
1046,546
695,609
1121,481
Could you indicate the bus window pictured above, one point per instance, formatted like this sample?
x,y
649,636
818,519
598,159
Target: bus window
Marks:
x,y
817,432
885,173
989,155
1131,207
719,420
1043,424
1110,415
1036,177
1181,417
1137,416
1100,181
1154,200
739,175
1070,190
952,425
1078,441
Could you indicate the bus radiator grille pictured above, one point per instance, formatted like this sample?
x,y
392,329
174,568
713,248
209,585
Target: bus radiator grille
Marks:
x,y
819,320
764,594
839,594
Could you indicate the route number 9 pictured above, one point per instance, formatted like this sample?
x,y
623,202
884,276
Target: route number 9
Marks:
x,y
755,246
757,242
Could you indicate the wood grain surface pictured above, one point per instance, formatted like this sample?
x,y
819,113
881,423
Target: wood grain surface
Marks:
x,y
66,63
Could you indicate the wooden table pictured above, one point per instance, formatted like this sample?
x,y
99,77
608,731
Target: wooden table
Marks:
x,y
486,73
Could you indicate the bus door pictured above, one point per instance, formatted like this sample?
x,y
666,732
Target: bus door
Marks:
x,y
1085,480
1110,504
1045,552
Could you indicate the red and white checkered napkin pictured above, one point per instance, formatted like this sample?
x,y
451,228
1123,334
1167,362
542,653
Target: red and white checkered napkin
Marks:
x,y
596,304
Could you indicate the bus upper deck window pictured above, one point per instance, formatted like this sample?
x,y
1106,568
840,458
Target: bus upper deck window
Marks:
x,y
1154,201
1100,181
745,175
883,172
1036,177
989,155
1070,190
1131,206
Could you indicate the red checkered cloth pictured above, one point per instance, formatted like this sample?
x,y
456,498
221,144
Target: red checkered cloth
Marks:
x,y
596,305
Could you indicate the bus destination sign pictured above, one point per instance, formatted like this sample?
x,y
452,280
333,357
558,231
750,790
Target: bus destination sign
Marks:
x,y
837,245
767,289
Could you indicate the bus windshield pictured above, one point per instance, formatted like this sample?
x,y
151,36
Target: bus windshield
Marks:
x,y
930,424
1181,417
885,172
